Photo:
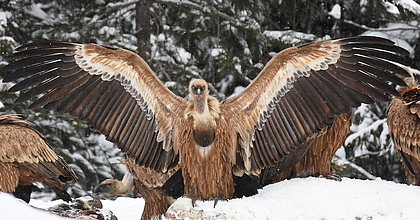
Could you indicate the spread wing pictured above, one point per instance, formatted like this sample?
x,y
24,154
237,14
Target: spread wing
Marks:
x,y
317,159
25,158
302,89
112,89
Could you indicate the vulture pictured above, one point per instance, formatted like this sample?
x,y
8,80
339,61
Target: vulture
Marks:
x,y
317,159
147,182
403,119
295,98
26,158
150,184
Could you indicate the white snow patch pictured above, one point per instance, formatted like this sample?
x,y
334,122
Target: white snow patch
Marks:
x,y
313,198
125,208
391,8
3,18
409,5
36,11
108,31
289,36
335,11
170,84
237,90
183,55
301,198
216,52
16,209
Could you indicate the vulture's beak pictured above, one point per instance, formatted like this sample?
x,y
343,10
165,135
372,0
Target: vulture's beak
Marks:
x,y
198,90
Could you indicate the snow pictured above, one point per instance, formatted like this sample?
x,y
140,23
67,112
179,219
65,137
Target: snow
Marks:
x,y
391,8
125,208
3,18
409,5
301,198
183,55
36,11
314,198
217,51
289,36
16,209
335,11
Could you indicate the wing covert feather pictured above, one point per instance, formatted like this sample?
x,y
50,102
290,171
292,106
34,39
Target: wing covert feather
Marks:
x,y
302,89
113,90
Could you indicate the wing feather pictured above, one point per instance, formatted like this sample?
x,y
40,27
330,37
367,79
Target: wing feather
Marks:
x,y
283,132
334,102
314,100
304,109
124,118
354,97
113,90
302,89
69,102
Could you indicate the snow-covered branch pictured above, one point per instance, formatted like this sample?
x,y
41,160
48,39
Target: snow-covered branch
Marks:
x,y
193,6
413,28
356,167
365,130
111,9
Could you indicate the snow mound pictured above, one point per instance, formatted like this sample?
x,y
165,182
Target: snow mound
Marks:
x,y
312,198
306,198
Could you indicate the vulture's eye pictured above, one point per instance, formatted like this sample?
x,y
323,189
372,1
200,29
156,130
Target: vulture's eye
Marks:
x,y
198,90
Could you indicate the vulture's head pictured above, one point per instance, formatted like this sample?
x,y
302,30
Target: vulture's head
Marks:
x,y
198,89
109,186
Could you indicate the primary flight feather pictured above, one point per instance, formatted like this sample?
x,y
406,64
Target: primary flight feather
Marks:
x,y
295,97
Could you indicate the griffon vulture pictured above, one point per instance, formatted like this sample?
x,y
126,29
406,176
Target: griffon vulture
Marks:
x,y
403,120
296,96
317,159
148,183
25,158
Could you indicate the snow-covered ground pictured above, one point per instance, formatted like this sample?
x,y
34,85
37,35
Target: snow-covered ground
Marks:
x,y
308,198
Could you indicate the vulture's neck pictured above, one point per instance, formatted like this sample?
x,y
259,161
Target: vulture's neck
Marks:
x,y
201,105
126,185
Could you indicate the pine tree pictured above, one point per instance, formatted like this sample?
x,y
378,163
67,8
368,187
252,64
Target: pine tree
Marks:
x,y
227,43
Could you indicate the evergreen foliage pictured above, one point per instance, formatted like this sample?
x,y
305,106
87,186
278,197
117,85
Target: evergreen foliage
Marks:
x,y
225,42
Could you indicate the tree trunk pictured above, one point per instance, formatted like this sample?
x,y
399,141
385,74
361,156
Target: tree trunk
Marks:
x,y
143,28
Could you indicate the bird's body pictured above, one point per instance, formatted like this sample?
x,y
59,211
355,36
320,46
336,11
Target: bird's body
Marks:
x,y
403,119
317,160
26,158
297,95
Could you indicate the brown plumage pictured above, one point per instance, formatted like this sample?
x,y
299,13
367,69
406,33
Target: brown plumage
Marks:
x,y
298,93
317,160
148,183
25,158
403,120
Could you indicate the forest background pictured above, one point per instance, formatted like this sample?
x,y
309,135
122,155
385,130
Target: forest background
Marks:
x,y
225,42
